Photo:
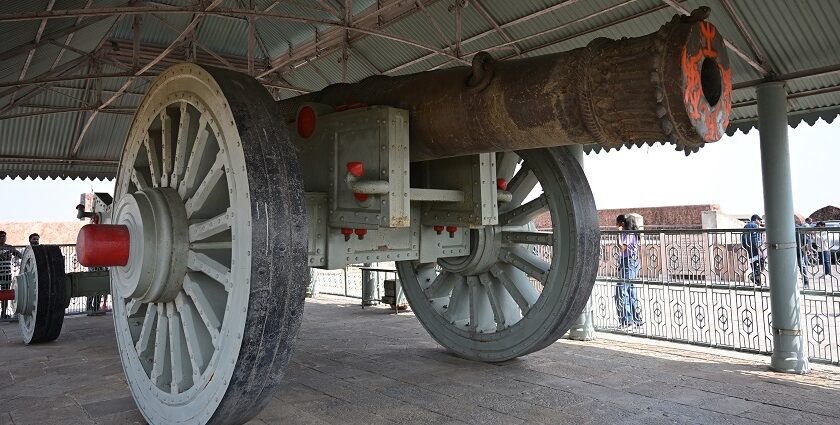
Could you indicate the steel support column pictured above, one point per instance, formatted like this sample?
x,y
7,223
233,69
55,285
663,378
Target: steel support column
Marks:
x,y
584,327
788,346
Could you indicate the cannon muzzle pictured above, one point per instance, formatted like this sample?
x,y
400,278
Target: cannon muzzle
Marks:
x,y
670,86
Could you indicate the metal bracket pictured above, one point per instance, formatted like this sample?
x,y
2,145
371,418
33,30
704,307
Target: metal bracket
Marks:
x,y
376,139
475,176
786,332
779,246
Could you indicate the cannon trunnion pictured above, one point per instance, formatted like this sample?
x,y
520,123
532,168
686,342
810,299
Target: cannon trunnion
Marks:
x,y
443,172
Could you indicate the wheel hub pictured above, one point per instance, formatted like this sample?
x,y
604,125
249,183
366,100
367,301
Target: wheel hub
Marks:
x,y
485,244
24,293
157,224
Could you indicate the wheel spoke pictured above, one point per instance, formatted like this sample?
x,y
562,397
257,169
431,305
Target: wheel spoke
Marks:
x,y
178,355
165,147
182,143
154,161
191,336
525,213
495,302
216,270
456,310
530,238
211,227
529,263
475,295
145,339
426,274
139,180
160,364
191,172
208,183
441,286
512,288
211,245
506,165
132,307
204,308
521,185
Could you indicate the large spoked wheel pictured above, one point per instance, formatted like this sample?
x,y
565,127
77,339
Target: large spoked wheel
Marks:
x,y
208,306
519,290
40,297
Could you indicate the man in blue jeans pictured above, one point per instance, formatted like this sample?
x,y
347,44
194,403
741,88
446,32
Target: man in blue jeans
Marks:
x,y
626,300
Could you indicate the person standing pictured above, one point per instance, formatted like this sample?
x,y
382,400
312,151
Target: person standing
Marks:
x,y
803,249
824,243
751,241
626,300
7,254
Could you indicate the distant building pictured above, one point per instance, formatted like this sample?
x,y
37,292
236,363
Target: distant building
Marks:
x,y
706,216
826,213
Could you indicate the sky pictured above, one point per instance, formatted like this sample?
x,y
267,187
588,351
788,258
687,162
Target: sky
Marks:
x,y
727,173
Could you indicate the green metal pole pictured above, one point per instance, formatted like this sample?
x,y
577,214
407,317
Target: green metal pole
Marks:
x,y
584,327
788,349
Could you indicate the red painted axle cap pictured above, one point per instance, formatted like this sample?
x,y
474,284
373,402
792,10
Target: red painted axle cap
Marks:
x,y
7,294
103,245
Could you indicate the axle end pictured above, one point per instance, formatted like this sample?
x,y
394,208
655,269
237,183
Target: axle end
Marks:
x,y
103,245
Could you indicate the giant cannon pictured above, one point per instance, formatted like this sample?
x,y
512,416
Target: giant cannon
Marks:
x,y
219,210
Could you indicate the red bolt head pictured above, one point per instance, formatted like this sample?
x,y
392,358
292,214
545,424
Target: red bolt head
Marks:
x,y
438,228
356,168
361,197
345,231
501,184
451,229
361,233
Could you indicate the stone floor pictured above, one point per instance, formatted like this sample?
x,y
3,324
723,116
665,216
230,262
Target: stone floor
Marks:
x,y
355,366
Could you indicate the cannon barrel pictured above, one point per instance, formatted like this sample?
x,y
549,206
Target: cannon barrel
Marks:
x,y
673,86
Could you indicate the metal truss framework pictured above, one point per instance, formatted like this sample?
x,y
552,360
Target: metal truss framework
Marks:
x,y
140,61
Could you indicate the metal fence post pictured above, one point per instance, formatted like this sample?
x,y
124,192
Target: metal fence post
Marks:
x,y
788,345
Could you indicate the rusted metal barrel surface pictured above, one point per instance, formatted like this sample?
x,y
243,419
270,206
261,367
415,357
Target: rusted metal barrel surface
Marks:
x,y
670,86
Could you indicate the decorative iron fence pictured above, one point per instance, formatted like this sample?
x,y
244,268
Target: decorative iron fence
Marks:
x,y
348,282
78,305
704,287
699,287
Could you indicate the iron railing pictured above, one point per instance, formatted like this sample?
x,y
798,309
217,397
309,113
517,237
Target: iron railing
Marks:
x,y
78,305
348,282
699,287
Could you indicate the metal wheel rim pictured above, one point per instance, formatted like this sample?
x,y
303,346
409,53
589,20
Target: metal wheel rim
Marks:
x,y
204,323
27,321
549,310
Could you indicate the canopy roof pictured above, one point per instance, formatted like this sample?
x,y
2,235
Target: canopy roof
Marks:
x,y
73,71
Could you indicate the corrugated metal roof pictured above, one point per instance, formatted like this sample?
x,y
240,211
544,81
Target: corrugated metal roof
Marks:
x,y
795,37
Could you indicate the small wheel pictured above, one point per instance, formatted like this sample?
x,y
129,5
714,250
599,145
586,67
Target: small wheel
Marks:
x,y
208,306
40,297
519,290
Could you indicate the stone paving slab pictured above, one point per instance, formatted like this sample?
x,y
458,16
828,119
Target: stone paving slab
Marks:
x,y
355,366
